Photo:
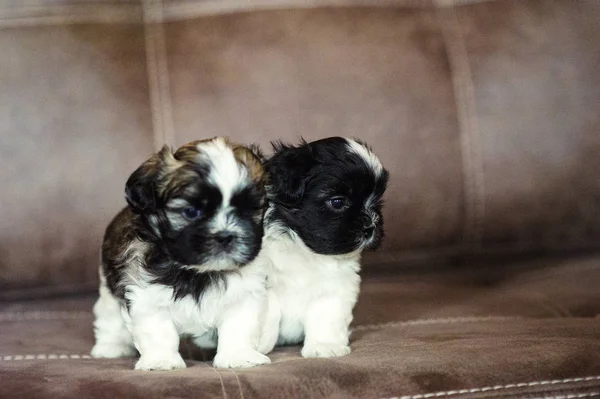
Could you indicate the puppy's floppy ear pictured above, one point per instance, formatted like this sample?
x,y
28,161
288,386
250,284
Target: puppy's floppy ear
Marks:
x,y
140,189
288,171
253,159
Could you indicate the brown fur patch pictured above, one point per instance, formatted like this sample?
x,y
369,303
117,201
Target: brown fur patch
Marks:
x,y
248,158
189,151
242,154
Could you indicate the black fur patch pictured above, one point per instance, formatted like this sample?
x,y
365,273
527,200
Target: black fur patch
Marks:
x,y
184,281
121,232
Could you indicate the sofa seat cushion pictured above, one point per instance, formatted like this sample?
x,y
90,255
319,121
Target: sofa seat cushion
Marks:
x,y
529,328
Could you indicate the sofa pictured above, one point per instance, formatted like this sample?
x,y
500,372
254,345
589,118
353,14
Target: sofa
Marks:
x,y
486,113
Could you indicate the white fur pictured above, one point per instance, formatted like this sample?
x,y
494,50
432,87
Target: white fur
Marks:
x,y
371,159
112,337
227,174
155,321
311,296
177,203
134,256
225,171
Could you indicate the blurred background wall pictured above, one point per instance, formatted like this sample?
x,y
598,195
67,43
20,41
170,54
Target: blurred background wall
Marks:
x,y
487,114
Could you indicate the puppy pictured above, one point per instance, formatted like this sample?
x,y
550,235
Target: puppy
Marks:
x,y
325,209
176,261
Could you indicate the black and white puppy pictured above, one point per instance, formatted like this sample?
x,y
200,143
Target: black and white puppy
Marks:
x,y
177,260
325,209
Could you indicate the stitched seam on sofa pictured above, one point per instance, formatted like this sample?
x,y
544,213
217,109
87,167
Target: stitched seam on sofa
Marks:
x,y
569,396
222,383
76,315
45,356
464,93
158,74
501,387
448,320
239,383
69,14
44,315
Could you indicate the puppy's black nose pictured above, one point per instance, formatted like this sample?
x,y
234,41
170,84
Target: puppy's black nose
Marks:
x,y
368,230
225,239
366,219
368,224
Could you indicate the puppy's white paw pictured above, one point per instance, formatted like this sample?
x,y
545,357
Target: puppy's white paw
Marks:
x,y
240,358
325,350
112,351
160,362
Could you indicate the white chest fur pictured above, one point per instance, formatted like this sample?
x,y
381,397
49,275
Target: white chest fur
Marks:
x,y
191,317
313,295
154,321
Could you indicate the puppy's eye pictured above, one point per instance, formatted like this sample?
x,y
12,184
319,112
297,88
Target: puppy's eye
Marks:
x,y
191,213
337,203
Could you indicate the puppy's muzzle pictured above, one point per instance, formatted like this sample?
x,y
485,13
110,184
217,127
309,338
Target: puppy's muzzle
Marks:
x,y
368,226
225,240
368,231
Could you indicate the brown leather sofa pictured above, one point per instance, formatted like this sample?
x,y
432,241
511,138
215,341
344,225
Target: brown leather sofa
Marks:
x,y
487,114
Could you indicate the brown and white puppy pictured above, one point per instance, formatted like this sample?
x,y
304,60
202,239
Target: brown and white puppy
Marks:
x,y
177,260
